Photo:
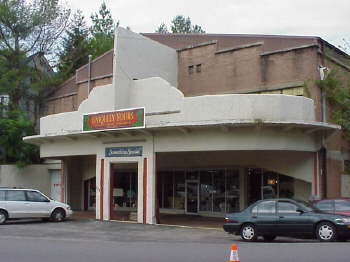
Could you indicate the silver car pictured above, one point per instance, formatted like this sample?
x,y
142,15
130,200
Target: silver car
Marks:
x,y
29,203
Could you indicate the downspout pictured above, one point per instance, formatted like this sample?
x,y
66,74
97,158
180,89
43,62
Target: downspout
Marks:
x,y
323,150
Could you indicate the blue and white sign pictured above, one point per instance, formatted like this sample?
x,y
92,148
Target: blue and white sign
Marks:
x,y
128,151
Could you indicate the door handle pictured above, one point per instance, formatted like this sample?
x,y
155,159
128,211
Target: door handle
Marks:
x,y
254,216
281,216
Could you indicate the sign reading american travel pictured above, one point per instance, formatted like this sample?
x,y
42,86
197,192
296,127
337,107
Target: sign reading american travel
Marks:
x,y
128,118
124,151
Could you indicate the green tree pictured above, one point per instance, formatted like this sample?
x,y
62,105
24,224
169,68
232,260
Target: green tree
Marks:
x,y
28,29
181,24
13,148
75,46
162,29
102,31
337,90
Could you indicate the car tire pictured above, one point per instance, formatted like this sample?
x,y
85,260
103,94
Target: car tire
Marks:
x,y
3,217
58,215
269,238
326,232
248,232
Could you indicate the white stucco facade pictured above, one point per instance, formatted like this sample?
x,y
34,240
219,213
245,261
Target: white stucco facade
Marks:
x,y
276,132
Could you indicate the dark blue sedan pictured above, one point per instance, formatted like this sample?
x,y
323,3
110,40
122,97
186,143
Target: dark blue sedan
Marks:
x,y
286,217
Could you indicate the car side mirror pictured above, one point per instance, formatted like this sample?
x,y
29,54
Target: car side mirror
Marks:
x,y
300,211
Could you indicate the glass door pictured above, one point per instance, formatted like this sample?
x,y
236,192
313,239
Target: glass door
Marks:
x,y
192,195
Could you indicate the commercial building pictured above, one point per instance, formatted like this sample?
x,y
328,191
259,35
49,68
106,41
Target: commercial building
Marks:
x,y
195,124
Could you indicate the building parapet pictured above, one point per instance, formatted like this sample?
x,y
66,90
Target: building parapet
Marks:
x,y
232,49
288,49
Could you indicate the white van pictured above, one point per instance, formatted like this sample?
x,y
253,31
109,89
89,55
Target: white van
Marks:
x,y
29,203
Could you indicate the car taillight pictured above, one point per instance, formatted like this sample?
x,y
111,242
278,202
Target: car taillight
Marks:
x,y
228,220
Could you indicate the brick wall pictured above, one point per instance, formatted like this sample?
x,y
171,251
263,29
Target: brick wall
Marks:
x,y
69,95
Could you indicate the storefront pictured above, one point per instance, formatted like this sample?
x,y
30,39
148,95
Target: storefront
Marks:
x,y
153,151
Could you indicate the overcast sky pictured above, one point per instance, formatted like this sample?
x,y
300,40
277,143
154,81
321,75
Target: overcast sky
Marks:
x,y
329,19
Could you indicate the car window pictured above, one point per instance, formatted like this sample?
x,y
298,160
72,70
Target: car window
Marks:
x,y
267,208
286,207
34,196
15,195
325,205
342,205
2,195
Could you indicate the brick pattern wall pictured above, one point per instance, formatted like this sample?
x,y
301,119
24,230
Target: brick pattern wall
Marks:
x,y
242,70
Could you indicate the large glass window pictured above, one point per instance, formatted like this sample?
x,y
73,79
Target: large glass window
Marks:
x,y
286,186
166,189
125,189
206,191
270,185
179,189
218,189
232,190
219,200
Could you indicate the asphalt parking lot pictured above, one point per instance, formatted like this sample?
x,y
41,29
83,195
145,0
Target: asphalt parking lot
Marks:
x,y
90,240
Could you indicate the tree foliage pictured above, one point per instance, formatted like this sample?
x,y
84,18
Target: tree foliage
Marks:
x,y
102,31
181,24
75,46
28,30
31,26
338,94
13,148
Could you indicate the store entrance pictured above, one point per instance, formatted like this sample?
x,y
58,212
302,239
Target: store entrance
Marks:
x,y
192,197
124,192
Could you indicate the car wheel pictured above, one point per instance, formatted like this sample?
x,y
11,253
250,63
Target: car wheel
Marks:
x,y
269,238
248,232
3,217
58,215
326,232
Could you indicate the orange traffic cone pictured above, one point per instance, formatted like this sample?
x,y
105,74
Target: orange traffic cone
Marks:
x,y
234,253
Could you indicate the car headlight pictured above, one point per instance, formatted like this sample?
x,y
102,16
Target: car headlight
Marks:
x,y
342,220
68,207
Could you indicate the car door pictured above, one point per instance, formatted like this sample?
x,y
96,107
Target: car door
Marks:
x,y
17,205
291,221
264,217
40,205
